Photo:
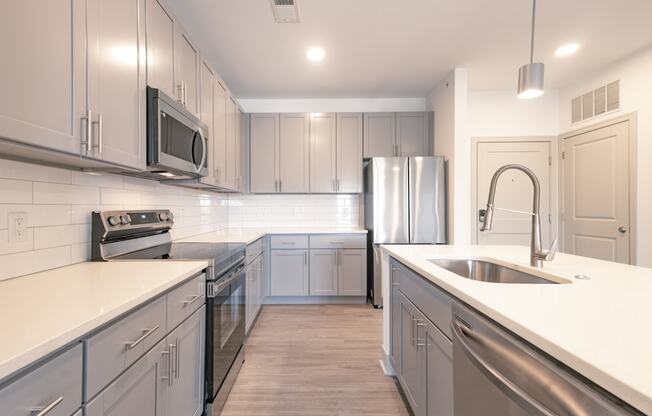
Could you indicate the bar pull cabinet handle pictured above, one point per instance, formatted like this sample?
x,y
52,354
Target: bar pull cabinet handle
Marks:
x,y
89,131
169,376
192,300
100,126
180,92
42,411
305,258
176,361
146,333
173,358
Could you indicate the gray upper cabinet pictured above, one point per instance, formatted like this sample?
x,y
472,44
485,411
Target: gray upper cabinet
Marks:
x,y
323,272
220,96
264,130
160,47
397,134
141,390
323,153
412,134
352,272
293,153
186,61
289,274
239,138
43,101
349,152
186,345
116,81
379,135
207,116
231,177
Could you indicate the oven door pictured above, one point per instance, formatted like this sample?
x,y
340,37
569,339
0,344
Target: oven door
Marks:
x,y
176,140
225,328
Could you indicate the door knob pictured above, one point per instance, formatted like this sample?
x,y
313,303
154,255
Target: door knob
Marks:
x,y
622,229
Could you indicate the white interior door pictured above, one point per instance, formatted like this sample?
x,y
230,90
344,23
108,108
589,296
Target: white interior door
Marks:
x,y
514,191
596,193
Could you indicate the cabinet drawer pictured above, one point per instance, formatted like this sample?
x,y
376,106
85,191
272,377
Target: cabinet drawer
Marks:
x,y
338,241
111,351
289,241
253,250
59,380
185,299
432,301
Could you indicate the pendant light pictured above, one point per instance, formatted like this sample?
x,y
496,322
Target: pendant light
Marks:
x,y
530,76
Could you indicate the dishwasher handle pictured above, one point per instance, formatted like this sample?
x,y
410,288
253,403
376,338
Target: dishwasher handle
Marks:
x,y
560,394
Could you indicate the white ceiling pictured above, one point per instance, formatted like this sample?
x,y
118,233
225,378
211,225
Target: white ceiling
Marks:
x,y
402,48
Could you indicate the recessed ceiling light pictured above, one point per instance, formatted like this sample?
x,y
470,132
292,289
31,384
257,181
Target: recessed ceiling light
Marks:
x,y
567,49
316,54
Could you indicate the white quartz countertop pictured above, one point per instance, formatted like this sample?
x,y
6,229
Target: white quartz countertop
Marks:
x,y
600,327
42,312
249,235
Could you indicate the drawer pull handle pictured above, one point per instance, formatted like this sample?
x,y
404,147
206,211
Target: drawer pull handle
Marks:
x,y
146,333
288,242
337,242
42,411
192,300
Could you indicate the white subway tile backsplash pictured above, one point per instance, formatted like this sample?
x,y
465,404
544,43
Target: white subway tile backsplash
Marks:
x,y
37,215
8,248
15,192
51,193
12,169
63,235
95,179
27,262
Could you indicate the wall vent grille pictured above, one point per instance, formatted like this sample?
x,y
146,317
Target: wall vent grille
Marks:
x,y
600,101
285,11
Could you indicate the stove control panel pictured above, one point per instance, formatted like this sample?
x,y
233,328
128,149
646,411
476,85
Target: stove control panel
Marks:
x,y
135,220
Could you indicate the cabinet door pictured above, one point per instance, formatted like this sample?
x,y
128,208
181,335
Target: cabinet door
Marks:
x,y
439,372
186,59
252,294
412,376
323,272
238,148
379,135
231,130
264,137
293,153
395,317
117,81
43,98
186,344
160,47
352,272
289,273
207,114
349,152
141,390
260,274
323,153
219,133
411,134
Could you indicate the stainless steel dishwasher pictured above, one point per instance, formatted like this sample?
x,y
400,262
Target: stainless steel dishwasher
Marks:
x,y
497,374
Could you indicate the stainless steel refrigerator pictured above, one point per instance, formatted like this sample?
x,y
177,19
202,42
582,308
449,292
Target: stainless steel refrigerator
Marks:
x,y
404,203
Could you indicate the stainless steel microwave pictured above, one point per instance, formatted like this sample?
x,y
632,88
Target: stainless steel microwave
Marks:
x,y
176,140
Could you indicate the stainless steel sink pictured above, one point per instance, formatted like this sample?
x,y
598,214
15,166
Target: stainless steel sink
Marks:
x,y
486,271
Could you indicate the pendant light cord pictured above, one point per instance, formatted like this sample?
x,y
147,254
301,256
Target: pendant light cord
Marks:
x,y
534,9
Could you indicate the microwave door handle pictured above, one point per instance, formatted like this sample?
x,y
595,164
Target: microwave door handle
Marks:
x,y
204,150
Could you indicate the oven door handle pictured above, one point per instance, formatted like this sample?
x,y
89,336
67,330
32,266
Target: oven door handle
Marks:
x,y
234,276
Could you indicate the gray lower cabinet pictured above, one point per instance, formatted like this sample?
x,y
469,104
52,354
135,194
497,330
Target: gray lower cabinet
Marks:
x,y
421,353
255,289
56,384
323,272
141,390
290,273
186,346
352,272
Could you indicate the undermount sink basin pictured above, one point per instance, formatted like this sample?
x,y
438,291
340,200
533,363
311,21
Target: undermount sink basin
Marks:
x,y
486,271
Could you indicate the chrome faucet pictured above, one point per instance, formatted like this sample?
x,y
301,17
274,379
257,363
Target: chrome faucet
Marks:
x,y
537,256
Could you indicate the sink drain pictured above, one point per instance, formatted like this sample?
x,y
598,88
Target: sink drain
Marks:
x,y
582,277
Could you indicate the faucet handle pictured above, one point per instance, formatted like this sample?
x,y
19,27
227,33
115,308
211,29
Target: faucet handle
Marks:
x,y
549,255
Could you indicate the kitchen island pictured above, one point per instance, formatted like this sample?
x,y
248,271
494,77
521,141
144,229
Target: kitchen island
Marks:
x,y
596,322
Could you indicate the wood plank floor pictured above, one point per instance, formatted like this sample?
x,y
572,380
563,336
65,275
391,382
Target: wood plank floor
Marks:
x,y
315,360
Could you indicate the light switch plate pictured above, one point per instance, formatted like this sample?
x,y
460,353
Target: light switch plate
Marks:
x,y
17,222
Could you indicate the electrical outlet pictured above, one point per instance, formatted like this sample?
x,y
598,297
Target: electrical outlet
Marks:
x,y
17,222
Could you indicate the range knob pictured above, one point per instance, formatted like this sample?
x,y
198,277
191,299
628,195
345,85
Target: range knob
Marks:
x,y
113,220
125,219
163,216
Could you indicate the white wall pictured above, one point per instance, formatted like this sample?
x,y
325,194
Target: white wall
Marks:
x,y
449,101
635,74
502,114
341,105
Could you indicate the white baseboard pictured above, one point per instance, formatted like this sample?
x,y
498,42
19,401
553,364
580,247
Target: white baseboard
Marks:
x,y
315,300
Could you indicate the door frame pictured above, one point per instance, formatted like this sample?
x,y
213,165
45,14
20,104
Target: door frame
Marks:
x,y
555,155
631,119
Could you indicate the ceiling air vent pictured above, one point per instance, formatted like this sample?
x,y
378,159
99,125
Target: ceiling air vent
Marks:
x,y
602,100
285,11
